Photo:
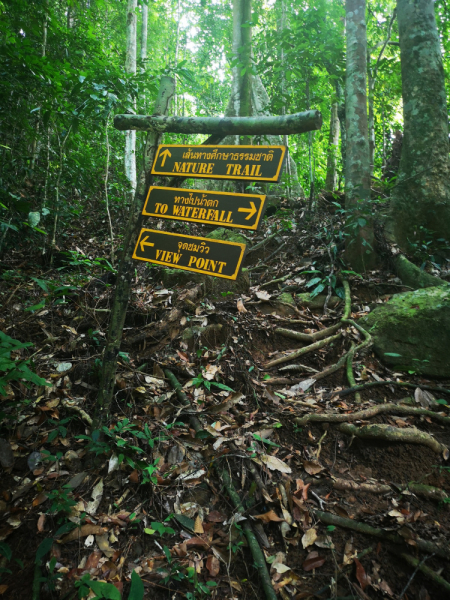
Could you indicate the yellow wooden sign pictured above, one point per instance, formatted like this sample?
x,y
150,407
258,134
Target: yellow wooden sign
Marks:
x,y
190,253
248,163
225,209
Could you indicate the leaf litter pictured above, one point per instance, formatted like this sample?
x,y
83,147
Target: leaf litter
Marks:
x,y
143,501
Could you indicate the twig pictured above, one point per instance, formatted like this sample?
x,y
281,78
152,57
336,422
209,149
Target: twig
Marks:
x,y
262,243
275,252
279,280
419,489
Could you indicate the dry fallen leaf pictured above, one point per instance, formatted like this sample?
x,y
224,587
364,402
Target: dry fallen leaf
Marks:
x,y
83,531
262,295
103,544
269,516
313,561
198,525
240,306
361,574
215,517
309,538
274,464
312,467
213,565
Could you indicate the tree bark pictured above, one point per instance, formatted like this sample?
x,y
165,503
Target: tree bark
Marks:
x,y
309,120
130,69
333,143
360,239
127,265
421,197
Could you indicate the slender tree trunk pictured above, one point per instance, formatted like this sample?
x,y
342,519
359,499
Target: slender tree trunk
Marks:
x,y
360,239
144,35
371,116
333,144
130,68
310,154
281,26
111,231
245,73
177,45
127,265
421,197
341,116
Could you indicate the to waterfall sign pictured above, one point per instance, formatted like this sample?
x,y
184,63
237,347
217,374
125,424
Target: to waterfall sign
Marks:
x,y
218,258
247,163
212,208
190,253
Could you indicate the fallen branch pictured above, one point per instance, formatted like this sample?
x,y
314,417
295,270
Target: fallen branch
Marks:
x,y
70,405
368,413
388,433
419,489
427,571
305,350
297,368
308,120
262,243
424,545
279,280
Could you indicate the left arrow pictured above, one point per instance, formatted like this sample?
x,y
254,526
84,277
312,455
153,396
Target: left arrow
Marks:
x,y
164,155
251,210
144,243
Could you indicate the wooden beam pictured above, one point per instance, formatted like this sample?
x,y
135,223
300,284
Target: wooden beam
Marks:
x,y
309,120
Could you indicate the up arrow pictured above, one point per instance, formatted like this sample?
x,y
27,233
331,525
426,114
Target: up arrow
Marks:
x,y
251,211
164,155
144,243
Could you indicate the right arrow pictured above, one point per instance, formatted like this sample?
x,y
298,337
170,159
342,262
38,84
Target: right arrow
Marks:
x,y
251,211
144,243
164,155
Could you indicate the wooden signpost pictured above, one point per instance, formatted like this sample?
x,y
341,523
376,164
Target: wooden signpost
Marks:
x,y
199,206
218,258
247,163
190,253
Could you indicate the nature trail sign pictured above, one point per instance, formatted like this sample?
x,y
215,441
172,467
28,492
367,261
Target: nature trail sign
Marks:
x,y
199,206
190,253
247,163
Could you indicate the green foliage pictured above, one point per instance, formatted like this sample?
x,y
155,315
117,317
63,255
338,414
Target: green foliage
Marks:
x,y
14,369
200,380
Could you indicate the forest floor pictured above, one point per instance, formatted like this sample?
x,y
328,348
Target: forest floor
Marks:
x,y
336,516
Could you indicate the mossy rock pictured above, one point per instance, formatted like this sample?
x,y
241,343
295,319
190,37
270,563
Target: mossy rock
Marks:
x,y
317,302
412,331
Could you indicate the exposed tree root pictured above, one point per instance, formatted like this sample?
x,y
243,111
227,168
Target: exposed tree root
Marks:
x,y
365,386
298,368
349,371
309,338
423,545
426,491
305,350
388,433
427,571
70,405
368,413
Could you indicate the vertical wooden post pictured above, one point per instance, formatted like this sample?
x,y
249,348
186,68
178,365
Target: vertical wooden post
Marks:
x,y
126,264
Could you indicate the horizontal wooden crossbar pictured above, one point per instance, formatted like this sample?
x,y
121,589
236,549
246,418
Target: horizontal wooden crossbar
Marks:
x,y
301,122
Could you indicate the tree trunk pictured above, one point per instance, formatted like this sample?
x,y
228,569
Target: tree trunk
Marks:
x,y
371,123
333,143
130,68
245,72
127,265
341,116
144,34
360,238
421,197
281,26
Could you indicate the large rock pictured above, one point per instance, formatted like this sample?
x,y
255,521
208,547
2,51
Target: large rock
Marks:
x,y
412,331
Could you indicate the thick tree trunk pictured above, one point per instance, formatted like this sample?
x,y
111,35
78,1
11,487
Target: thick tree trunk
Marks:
x,y
127,265
421,197
360,239
309,120
245,55
333,144
130,68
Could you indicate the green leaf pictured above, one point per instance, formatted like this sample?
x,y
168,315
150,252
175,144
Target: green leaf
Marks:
x,y
105,590
394,354
44,547
137,587
5,550
184,521
149,531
